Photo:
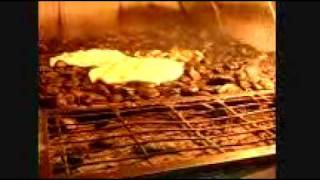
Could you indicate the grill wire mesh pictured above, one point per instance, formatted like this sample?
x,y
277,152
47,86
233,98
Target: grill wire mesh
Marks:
x,y
106,141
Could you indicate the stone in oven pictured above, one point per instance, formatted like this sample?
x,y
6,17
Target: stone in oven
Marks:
x,y
229,88
189,90
148,92
220,80
116,98
69,123
266,84
52,90
61,64
245,85
194,74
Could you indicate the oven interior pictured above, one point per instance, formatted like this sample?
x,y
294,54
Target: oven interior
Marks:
x,y
220,111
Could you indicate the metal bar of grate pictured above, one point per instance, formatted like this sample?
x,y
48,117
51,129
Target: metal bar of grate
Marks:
x,y
44,154
203,161
161,101
132,135
196,131
175,139
145,109
171,129
159,153
258,99
64,155
151,131
171,122
238,114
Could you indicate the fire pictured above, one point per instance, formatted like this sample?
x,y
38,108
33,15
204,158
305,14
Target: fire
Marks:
x,y
151,70
89,58
114,67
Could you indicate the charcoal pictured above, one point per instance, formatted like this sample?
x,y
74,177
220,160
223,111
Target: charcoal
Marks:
x,y
185,79
85,93
220,80
203,70
148,92
204,93
218,70
229,88
100,125
208,88
74,160
53,131
69,123
216,132
257,86
245,85
69,84
61,64
86,101
218,113
75,82
59,168
129,91
117,98
189,91
102,89
212,64
70,98
61,101
43,48
96,97
154,148
195,75
79,70
51,75
100,145
232,66
58,82
52,90
77,93
266,84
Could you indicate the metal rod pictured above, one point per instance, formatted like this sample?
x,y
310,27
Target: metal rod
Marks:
x,y
160,153
196,131
163,140
158,121
179,129
132,134
63,148
241,116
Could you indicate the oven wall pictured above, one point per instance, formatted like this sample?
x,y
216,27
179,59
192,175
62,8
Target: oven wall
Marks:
x,y
48,18
78,19
251,22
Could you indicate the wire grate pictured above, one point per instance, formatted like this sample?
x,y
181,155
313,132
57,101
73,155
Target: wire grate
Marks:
x,y
157,135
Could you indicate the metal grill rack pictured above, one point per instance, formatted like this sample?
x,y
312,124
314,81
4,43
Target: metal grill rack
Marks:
x,y
127,142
